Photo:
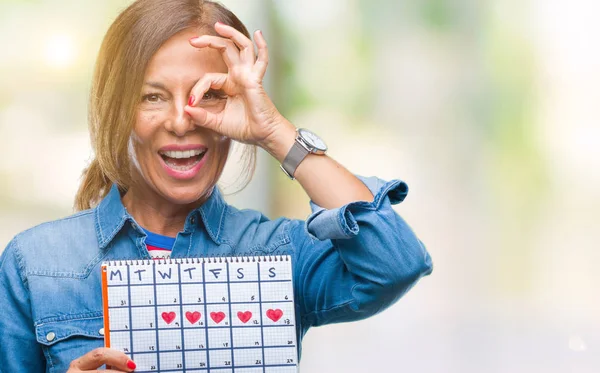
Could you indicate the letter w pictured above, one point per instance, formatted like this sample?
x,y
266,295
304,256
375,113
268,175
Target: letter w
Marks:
x,y
165,275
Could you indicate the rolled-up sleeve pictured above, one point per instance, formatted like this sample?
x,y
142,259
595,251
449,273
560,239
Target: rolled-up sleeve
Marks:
x,y
340,223
358,259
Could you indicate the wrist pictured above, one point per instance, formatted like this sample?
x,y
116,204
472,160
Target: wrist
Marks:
x,y
280,141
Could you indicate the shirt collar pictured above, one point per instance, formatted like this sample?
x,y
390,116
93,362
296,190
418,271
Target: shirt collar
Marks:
x,y
212,213
111,216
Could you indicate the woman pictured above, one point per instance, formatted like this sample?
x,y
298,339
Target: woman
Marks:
x,y
176,81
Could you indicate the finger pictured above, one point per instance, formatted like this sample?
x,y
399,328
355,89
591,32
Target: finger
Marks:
x,y
263,53
100,356
208,81
200,115
241,41
230,53
205,118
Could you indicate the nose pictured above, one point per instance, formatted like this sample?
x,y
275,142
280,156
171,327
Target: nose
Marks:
x,y
179,123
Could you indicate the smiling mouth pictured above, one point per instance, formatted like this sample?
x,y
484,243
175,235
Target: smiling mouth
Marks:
x,y
182,160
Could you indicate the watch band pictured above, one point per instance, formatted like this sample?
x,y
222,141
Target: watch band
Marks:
x,y
296,154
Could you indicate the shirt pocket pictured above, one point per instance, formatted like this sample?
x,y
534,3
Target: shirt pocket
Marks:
x,y
261,250
65,340
278,246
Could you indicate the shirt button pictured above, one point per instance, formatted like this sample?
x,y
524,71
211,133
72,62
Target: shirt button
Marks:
x,y
50,336
101,331
193,220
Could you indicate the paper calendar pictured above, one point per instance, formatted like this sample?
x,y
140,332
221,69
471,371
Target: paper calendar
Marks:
x,y
225,315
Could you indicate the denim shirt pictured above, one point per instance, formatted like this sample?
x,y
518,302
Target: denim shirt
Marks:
x,y
348,263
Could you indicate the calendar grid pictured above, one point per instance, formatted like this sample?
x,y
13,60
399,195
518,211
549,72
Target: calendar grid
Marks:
x,y
201,283
217,349
262,335
214,369
156,316
130,318
224,315
195,304
231,322
181,313
206,313
222,327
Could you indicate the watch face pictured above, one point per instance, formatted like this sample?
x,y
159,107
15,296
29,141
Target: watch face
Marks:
x,y
313,140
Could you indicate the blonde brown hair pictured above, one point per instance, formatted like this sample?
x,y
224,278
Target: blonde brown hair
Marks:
x,y
129,44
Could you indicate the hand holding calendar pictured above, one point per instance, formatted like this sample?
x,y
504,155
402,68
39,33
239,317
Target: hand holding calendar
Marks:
x,y
99,357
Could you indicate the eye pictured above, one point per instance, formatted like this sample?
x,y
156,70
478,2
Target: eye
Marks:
x,y
151,97
212,95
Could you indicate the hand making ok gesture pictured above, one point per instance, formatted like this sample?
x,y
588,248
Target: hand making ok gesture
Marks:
x,y
249,115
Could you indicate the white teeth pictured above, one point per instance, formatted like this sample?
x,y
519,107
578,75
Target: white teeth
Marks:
x,y
183,154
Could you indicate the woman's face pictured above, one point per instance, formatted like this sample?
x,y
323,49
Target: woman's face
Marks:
x,y
177,160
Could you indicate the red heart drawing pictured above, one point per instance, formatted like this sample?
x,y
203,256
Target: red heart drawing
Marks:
x,y
274,314
217,316
168,317
244,316
192,317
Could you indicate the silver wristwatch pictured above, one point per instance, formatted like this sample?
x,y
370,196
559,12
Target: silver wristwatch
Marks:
x,y
306,143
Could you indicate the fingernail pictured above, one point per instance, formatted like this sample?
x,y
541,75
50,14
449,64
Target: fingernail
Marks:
x,y
195,37
130,364
219,23
191,100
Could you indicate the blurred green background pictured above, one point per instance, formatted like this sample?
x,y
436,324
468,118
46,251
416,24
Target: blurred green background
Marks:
x,y
487,109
